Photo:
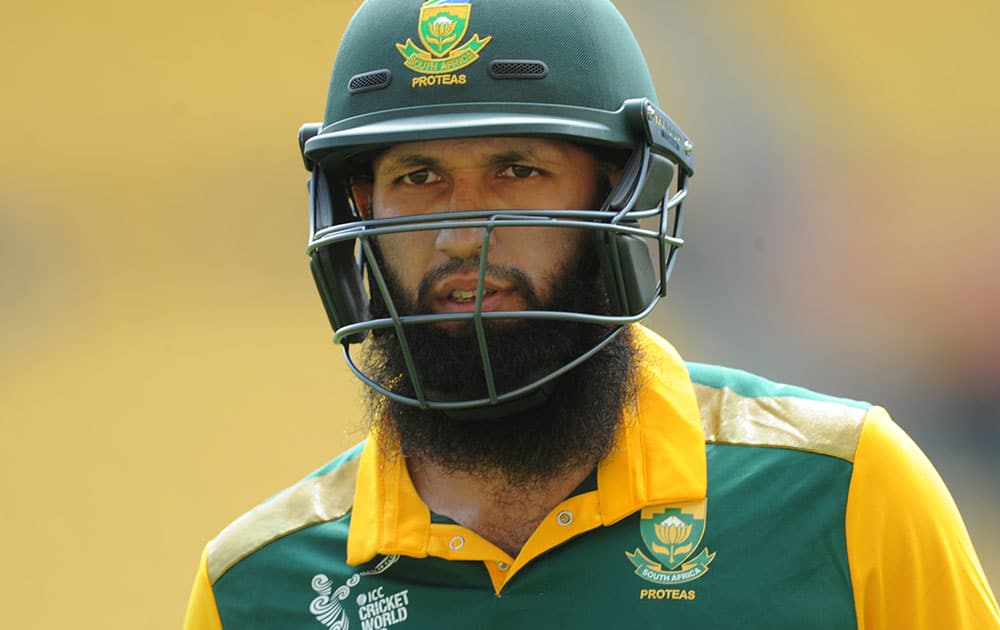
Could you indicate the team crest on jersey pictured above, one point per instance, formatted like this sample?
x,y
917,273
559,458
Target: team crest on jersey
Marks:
x,y
672,534
443,24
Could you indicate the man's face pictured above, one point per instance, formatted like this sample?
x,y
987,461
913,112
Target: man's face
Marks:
x,y
553,268
438,270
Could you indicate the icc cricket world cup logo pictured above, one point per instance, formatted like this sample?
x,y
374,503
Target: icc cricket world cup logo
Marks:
x,y
672,535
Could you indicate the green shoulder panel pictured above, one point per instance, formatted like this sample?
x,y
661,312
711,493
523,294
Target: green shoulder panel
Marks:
x,y
325,495
740,408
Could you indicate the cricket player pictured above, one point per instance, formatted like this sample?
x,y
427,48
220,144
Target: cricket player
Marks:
x,y
496,202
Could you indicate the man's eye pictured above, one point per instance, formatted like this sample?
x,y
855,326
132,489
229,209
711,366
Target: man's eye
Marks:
x,y
423,176
520,171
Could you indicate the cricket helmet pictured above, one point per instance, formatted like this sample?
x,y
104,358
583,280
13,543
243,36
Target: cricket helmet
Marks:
x,y
416,70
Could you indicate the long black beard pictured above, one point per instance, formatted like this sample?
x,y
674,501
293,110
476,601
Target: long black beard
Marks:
x,y
575,426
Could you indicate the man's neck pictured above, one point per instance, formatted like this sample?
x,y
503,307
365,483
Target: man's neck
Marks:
x,y
503,513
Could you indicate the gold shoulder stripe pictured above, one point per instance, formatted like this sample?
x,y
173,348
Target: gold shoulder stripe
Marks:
x,y
807,425
311,501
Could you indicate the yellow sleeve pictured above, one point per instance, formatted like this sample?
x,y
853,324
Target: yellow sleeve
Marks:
x,y
202,613
911,561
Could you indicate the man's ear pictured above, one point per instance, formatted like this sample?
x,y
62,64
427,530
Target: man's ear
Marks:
x,y
361,193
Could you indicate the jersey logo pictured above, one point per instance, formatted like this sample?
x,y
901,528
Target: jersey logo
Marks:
x,y
672,534
376,607
443,24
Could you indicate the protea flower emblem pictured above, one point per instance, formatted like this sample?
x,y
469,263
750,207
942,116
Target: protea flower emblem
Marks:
x,y
443,25
442,31
673,533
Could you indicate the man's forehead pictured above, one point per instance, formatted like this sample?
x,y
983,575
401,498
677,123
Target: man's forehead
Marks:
x,y
486,150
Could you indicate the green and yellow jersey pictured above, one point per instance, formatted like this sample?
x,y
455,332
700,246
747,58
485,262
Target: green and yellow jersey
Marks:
x,y
728,501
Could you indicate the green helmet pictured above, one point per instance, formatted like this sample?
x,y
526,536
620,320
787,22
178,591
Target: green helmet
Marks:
x,y
416,70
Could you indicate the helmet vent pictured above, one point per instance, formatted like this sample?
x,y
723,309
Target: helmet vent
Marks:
x,y
518,69
369,81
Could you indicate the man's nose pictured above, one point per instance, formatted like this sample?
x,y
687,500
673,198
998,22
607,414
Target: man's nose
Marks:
x,y
464,242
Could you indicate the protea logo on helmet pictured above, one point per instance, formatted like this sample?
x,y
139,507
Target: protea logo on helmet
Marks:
x,y
443,24
672,534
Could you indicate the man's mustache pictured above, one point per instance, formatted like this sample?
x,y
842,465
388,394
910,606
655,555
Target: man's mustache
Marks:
x,y
509,275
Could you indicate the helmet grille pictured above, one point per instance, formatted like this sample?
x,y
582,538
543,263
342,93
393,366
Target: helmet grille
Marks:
x,y
518,69
369,81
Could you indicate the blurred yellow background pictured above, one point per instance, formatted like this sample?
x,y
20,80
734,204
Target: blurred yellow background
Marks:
x,y
166,364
